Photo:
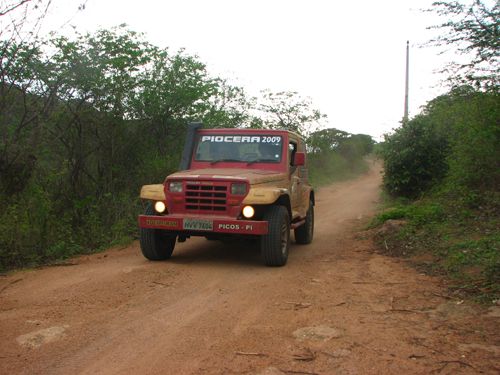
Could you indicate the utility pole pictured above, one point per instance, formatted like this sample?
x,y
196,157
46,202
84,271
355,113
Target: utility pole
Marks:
x,y
405,116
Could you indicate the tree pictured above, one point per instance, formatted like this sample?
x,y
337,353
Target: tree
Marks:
x,y
356,146
326,140
473,29
469,120
95,78
454,142
289,111
25,97
175,89
23,103
414,157
21,20
228,107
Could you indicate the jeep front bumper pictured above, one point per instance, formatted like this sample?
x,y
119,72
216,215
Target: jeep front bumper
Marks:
x,y
203,224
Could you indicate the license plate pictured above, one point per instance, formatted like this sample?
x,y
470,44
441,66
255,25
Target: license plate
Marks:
x,y
198,224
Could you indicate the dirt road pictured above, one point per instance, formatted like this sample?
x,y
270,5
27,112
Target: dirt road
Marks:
x,y
336,308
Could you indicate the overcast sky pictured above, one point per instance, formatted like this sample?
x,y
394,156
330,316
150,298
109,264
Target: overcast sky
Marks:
x,y
347,56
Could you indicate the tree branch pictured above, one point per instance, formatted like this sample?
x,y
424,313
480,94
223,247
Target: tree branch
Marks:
x,y
13,7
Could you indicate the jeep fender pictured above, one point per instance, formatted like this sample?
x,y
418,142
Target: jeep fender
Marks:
x,y
268,196
153,192
264,195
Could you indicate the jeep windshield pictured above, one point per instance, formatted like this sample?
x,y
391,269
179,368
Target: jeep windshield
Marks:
x,y
240,148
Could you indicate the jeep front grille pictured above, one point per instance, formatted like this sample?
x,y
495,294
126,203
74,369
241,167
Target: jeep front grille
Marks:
x,y
206,197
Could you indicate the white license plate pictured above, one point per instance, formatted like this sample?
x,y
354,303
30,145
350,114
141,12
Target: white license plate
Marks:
x,y
198,224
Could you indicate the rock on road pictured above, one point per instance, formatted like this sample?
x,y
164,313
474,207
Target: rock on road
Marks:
x,y
337,307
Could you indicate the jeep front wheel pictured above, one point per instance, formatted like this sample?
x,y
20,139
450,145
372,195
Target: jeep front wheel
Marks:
x,y
155,243
275,244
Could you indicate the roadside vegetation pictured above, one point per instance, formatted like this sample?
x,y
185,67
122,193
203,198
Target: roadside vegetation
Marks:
x,y
336,155
85,121
442,168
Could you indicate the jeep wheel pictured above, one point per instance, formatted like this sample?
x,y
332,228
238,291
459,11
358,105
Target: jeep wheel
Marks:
x,y
304,233
155,243
275,244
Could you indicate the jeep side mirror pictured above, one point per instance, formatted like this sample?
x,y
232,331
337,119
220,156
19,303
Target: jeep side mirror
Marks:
x,y
299,159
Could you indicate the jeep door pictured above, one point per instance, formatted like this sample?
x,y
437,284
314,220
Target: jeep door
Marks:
x,y
295,180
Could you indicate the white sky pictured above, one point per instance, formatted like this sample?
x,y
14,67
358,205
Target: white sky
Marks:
x,y
347,56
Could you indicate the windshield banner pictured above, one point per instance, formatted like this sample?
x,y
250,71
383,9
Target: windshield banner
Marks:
x,y
241,139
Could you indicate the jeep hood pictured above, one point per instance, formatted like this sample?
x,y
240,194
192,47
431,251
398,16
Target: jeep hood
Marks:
x,y
254,176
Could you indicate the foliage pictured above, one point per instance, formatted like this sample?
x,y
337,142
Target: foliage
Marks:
x,y
335,154
326,140
449,158
414,157
473,29
331,139
445,237
85,121
454,141
356,145
287,110
327,168
450,154
228,108
469,121
418,214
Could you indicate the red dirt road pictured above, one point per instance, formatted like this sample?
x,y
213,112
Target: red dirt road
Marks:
x,y
337,307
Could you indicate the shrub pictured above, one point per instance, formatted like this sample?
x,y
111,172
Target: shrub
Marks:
x,y
414,158
455,141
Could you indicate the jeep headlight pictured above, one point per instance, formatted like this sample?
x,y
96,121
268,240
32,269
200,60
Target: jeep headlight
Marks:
x,y
248,211
238,189
175,187
160,207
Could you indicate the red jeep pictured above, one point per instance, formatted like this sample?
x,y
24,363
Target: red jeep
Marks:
x,y
243,183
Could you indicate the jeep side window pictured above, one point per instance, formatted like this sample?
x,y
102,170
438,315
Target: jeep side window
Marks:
x,y
292,149
302,169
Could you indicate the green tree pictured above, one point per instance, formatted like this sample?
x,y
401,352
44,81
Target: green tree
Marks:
x,y
287,110
95,78
414,158
326,140
174,89
229,107
23,104
356,146
469,120
454,142
473,30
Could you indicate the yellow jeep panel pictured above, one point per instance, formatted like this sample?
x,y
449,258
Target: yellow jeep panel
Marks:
x,y
153,192
263,195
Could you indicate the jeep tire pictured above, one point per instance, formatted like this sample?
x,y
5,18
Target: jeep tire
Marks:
x,y
275,244
304,233
155,243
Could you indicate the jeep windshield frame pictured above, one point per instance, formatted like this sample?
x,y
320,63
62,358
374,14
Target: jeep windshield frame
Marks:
x,y
243,148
